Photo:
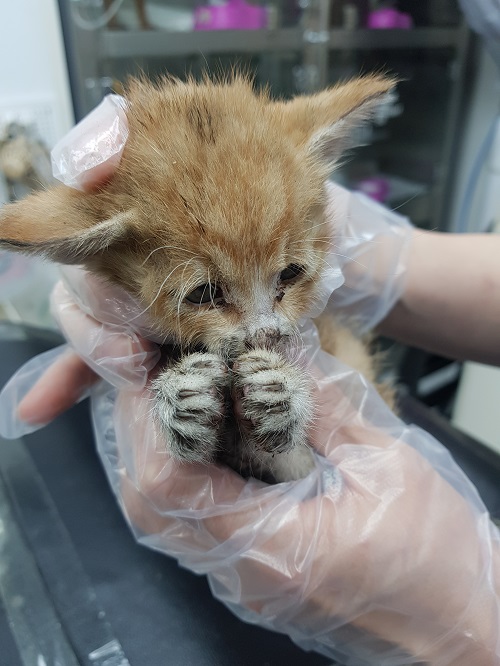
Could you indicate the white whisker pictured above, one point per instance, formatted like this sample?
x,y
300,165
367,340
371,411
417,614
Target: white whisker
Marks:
x,y
166,247
344,256
405,202
320,224
182,296
158,292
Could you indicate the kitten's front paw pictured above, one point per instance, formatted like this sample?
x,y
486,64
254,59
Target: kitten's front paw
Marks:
x,y
273,401
190,406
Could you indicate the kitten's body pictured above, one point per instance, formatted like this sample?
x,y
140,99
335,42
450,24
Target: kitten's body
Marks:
x,y
214,219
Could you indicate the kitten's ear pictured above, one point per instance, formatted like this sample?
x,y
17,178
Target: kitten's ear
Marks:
x,y
326,122
61,224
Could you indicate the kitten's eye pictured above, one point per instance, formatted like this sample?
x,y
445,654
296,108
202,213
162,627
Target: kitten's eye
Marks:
x,y
291,272
205,293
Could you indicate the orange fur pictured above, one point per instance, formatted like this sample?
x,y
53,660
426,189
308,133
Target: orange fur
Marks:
x,y
217,183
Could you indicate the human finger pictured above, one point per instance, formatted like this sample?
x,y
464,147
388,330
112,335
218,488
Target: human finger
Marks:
x,y
41,389
61,386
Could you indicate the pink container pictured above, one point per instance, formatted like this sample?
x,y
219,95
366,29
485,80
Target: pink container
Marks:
x,y
376,188
234,15
389,19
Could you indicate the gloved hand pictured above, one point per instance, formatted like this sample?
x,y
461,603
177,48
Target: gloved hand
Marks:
x,y
106,330
384,554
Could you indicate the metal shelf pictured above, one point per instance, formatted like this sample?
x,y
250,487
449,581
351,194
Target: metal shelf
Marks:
x,y
158,44
418,38
134,44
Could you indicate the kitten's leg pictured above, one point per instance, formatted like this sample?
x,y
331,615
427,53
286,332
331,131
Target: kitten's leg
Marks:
x,y
190,406
289,465
354,352
274,409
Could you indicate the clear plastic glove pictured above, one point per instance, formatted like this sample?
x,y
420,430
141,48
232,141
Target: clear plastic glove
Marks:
x,y
105,328
372,245
89,154
383,555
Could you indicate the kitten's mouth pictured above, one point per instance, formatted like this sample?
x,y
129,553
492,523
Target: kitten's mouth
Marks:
x,y
176,351
233,348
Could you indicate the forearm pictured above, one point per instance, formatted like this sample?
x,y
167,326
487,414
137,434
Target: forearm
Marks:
x,y
451,302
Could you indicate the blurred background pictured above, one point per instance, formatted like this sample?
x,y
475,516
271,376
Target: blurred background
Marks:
x,y
60,58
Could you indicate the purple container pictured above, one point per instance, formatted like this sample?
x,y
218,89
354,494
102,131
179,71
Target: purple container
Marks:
x,y
234,15
389,19
376,188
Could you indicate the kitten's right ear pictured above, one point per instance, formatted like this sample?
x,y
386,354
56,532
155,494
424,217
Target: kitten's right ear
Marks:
x,y
61,224
325,123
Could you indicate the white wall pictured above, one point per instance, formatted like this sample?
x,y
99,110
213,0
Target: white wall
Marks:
x,y
32,59
33,82
484,107
476,407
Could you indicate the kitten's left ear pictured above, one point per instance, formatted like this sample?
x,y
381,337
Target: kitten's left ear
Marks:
x,y
62,224
326,122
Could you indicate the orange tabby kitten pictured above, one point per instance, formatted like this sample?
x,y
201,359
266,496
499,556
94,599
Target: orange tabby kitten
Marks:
x,y
214,219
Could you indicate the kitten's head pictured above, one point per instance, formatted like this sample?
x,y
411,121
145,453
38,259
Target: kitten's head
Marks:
x,y
214,217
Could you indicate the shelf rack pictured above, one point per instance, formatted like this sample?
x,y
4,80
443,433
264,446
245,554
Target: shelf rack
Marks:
x,y
90,55
156,43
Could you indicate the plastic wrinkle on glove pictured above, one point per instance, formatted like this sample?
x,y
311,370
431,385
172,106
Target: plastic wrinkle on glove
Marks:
x,y
91,151
345,561
114,350
107,303
373,244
